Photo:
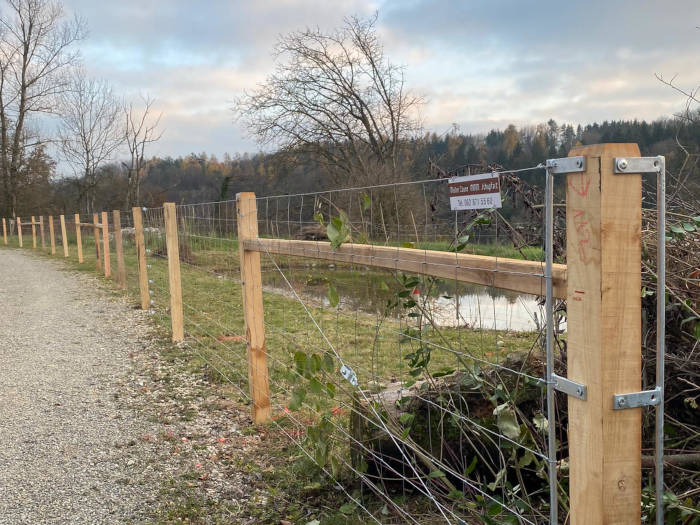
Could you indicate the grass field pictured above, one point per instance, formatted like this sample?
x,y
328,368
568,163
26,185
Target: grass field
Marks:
x,y
374,345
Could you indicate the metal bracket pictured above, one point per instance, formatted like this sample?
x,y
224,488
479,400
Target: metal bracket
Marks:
x,y
569,387
645,398
567,165
624,165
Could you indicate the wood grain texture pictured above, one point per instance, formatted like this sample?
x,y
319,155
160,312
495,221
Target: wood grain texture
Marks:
x,y
508,274
253,313
171,240
96,233
119,248
52,235
141,257
19,231
78,237
41,232
603,213
33,233
64,236
106,261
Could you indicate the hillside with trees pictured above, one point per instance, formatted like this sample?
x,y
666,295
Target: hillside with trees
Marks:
x,y
202,177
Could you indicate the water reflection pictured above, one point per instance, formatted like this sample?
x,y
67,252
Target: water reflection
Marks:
x,y
450,304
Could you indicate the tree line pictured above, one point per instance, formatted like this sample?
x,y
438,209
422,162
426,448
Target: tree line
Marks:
x,y
43,83
203,177
334,113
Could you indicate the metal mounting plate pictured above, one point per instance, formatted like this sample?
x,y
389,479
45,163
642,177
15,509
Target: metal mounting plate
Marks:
x,y
569,387
624,165
645,398
349,374
567,165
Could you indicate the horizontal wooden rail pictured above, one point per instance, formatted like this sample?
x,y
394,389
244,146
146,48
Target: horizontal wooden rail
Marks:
x,y
89,224
508,274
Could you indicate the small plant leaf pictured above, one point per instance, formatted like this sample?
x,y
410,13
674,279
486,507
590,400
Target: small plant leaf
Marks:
x,y
333,298
366,202
298,397
506,421
315,386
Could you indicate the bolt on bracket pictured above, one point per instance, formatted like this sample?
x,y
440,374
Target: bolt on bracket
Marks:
x,y
569,387
566,165
644,398
623,165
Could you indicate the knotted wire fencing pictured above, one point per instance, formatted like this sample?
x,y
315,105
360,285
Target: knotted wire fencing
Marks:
x,y
404,342
402,387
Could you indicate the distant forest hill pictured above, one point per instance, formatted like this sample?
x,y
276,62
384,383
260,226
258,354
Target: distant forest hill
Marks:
x,y
203,178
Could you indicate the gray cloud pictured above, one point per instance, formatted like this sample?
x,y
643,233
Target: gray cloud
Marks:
x,y
480,64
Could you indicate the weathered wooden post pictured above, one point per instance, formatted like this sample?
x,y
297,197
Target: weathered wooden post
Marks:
x,y
603,245
119,247
52,235
171,240
64,235
4,231
105,245
141,256
78,237
33,233
19,231
251,282
41,232
96,233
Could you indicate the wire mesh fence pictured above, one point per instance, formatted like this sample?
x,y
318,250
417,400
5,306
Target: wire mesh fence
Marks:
x,y
404,350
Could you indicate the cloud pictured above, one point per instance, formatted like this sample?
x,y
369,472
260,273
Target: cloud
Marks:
x,y
480,64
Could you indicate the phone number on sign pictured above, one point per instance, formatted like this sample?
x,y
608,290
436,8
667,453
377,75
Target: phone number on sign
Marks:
x,y
475,201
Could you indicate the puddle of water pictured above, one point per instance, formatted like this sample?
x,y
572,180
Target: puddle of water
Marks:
x,y
487,312
467,306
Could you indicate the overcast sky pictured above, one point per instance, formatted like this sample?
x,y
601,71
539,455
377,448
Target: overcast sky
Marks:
x,y
479,64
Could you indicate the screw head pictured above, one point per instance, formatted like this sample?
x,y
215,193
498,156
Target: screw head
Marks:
x,y
579,163
579,391
621,402
622,164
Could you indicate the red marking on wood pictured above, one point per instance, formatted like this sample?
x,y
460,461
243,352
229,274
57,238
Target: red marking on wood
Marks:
x,y
583,230
579,291
580,184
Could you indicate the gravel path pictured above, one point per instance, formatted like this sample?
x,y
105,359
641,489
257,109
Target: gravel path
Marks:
x,y
69,452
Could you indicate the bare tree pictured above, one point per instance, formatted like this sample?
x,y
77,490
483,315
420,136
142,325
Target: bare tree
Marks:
x,y
91,131
337,96
36,52
141,129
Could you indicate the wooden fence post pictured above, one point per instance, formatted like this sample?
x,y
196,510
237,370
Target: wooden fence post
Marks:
x,y
4,231
119,247
105,245
52,235
251,282
41,232
78,237
64,236
603,245
33,233
171,240
96,232
141,256
19,231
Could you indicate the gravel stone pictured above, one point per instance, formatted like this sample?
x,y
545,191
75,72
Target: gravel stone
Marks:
x,y
71,452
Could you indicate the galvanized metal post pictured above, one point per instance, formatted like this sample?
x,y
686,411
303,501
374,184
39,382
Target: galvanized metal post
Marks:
x,y
660,334
549,345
